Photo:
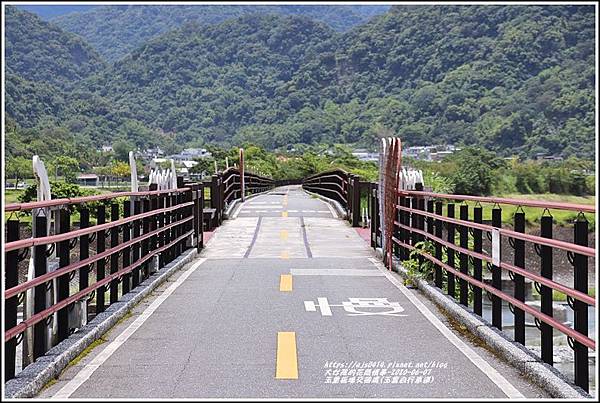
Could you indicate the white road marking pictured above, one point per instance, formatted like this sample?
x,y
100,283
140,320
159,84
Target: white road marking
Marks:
x,y
479,362
324,306
87,371
336,272
250,207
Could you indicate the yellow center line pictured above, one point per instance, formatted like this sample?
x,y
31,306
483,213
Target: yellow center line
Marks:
x,y
284,254
287,357
283,235
285,282
284,213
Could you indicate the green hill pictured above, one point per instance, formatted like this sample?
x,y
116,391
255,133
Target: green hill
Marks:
x,y
513,79
117,30
40,51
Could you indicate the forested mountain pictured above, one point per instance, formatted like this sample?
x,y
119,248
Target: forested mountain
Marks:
x,y
116,30
39,51
513,79
42,63
48,12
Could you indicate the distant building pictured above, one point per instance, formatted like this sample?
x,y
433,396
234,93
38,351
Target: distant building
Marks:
x,y
107,149
87,180
190,154
544,157
365,155
429,153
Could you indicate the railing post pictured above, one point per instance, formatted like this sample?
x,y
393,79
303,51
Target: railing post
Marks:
x,y
64,253
214,199
398,250
439,227
420,219
127,251
153,225
135,274
10,309
100,264
145,229
355,201
40,268
372,215
221,198
496,276
199,214
406,234
84,249
173,231
450,251
464,258
477,264
114,258
162,201
580,308
519,280
546,331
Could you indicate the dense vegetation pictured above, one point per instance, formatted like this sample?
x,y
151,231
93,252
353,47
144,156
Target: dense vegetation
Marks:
x,y
48,12
117,30
516,80
41,52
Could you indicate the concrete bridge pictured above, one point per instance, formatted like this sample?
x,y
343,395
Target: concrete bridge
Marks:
x,y
300,293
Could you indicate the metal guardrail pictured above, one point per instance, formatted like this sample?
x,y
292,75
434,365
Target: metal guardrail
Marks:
x,y
454,246
146,231
224,187
338,185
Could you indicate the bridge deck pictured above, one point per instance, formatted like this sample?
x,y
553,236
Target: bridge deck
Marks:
x,y
225,326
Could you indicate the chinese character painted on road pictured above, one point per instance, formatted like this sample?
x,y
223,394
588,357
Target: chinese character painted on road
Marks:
x,y
358,307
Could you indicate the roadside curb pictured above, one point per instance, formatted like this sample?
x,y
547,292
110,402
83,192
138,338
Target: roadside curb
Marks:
x,y
543,375
34,377
341,212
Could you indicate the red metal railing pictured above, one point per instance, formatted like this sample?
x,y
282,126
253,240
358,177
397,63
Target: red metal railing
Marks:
x,y
419,231
146,225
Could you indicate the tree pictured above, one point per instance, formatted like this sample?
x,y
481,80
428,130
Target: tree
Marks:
x,y
121,149
18,168
120,169
67,166
472,171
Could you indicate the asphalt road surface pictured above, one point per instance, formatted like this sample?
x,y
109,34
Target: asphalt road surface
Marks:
x,y
287,301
